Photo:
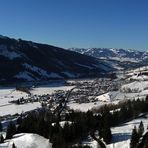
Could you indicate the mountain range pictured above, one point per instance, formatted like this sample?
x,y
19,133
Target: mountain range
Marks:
x,y
22,60
120,57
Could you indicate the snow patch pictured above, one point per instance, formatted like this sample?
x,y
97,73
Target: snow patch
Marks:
x,y
54,75
41,72
70,75
8,54
85,66
136,86
36,69
25,75
28,141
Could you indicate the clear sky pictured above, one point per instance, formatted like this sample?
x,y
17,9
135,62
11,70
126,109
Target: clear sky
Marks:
x,y
77,23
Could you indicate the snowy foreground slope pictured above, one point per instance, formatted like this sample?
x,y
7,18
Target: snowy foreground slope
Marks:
x,y
121,134
121,137
27,141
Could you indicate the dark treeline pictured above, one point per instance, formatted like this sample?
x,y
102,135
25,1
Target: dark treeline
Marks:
x,y
125,111
81,124
74,132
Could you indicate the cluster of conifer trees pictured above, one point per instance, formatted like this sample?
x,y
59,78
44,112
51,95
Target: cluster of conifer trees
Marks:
x,y
125,111
81,125
136,135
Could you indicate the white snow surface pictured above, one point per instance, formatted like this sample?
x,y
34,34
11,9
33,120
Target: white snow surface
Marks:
x,y
54,75
11,94
135,86
122,133
84,107
2,37
12,109
47,89
142,77
85,66
25,75
25,140
36,69
62,123
70,75
7,53
30,77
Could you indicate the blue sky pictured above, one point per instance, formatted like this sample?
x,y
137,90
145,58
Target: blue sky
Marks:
x,y
77,23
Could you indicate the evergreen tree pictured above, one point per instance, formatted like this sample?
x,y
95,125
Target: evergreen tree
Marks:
x,y
134,138
107,136
1,127
1,139
141,129
13,145
19,120
105,131
11,130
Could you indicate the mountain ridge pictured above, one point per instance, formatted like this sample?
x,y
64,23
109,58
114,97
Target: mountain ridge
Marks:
x,y
22,60
119,58
112,53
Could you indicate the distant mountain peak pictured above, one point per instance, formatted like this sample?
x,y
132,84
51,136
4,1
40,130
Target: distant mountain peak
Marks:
x,y
118,58
113,53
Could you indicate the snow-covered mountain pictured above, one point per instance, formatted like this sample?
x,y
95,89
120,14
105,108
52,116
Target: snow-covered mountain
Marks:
x,y
119,58
22,60
113,53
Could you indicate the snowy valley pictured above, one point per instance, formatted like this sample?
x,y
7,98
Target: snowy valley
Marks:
x,y
78,95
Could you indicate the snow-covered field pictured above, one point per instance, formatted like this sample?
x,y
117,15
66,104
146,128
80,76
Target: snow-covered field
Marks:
x,y
136,86
13,109
43,90
84,107
27,141
11,94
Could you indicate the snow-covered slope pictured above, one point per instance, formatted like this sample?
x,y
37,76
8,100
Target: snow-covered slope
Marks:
x,y
25,140
122,133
